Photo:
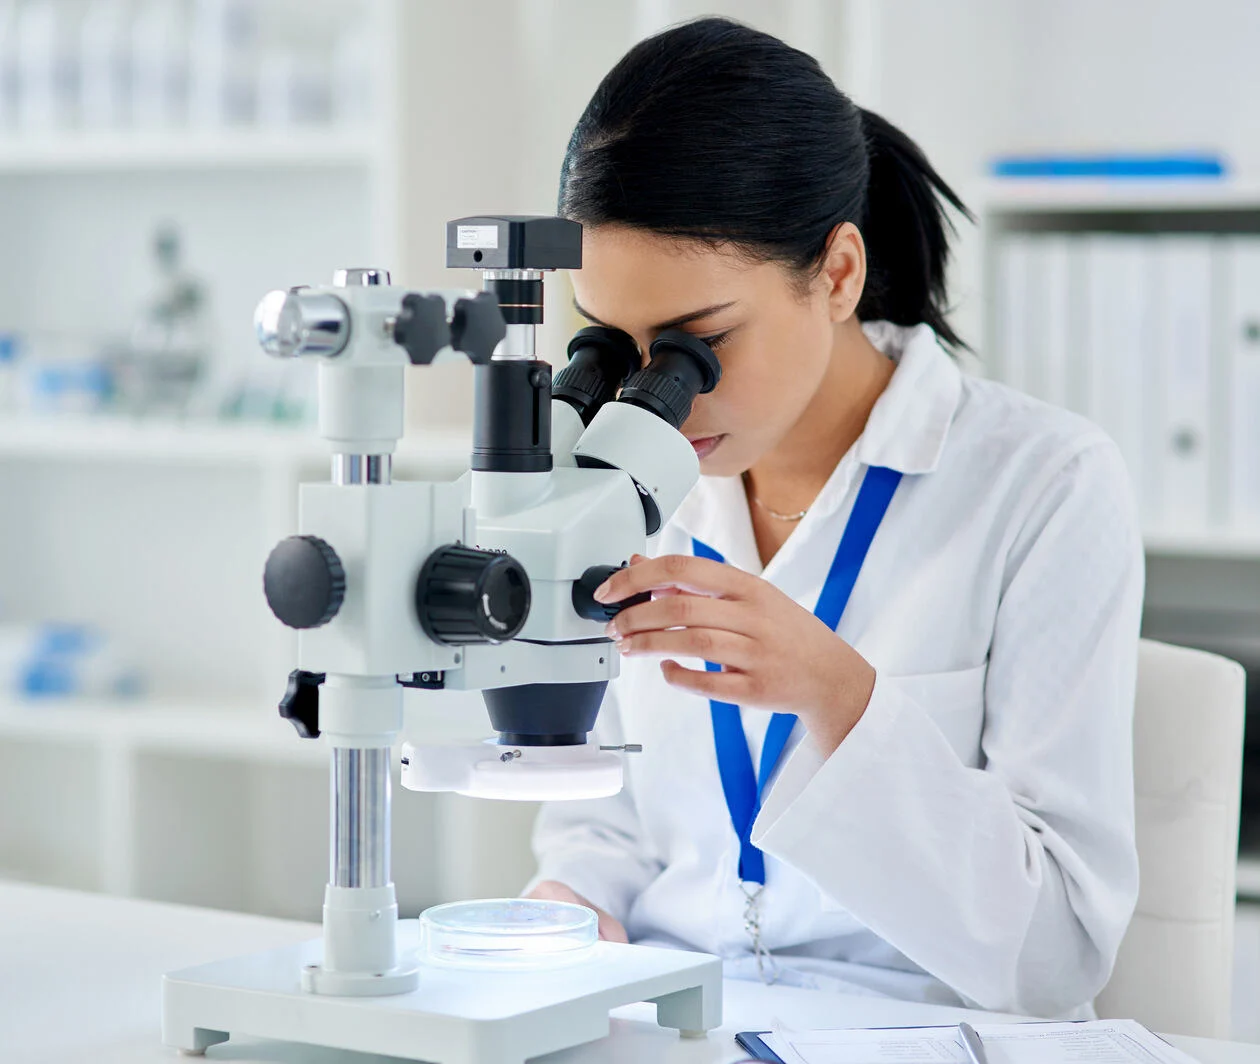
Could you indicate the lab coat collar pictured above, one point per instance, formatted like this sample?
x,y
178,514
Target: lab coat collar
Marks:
x,y
906,431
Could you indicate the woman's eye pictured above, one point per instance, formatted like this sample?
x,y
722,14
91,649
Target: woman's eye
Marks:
x,y
717,341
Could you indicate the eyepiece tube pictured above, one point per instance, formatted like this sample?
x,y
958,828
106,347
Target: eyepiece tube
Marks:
x,y
600,360
682,366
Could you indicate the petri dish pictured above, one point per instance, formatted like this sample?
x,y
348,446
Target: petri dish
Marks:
x,y
508,934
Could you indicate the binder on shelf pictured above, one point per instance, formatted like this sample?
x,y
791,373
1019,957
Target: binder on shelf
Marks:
x,y
1180,441
1010,312
1056,372
1242,375
1117,345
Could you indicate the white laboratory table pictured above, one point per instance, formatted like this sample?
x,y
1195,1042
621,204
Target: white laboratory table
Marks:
x,y
80,983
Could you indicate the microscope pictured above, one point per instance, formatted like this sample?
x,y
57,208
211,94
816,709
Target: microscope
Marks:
x,y
483,583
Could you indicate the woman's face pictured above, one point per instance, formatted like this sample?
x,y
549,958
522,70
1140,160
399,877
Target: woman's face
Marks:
x,y
774,343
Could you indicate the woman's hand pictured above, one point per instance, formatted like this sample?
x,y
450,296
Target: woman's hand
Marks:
x,y
610,930
774,654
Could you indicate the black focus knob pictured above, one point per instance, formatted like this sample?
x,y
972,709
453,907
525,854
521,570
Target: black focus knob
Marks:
x,y
304,581
583,596
421,328
477,327
471,596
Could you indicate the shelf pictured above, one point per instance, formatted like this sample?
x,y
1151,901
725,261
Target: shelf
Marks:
x,y
1203,543
176,149
235,728
105,439
1085,196
1248,883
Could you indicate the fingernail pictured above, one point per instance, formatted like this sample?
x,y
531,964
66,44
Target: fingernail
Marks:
x,y
623,646
610,629
601,592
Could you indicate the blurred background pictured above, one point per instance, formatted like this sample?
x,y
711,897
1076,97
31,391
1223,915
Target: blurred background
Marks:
x,y
163,163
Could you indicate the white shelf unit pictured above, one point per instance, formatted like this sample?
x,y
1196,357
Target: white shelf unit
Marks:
x,y
1144,206
1249,877
157,532
1203,583
93,152
108,439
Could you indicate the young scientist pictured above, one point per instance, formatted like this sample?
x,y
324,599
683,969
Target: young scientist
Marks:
x,y
920,591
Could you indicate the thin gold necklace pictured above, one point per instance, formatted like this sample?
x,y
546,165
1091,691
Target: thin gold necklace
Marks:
x,y
773,513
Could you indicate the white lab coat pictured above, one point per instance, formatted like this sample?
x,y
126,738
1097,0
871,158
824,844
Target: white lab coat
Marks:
x,y
972,839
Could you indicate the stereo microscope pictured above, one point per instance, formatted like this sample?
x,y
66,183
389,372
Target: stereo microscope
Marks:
x,y
483,583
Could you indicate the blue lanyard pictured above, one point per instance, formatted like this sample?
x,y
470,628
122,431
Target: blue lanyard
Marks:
x,y
743,789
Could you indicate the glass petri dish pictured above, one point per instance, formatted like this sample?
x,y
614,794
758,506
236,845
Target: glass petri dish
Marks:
x,y
508,934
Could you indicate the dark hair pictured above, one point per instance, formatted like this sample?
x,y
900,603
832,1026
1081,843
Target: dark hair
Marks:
x,y
715,131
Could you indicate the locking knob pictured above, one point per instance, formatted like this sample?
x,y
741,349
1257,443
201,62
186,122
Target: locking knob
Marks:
x,y
421,328
477,327
300,704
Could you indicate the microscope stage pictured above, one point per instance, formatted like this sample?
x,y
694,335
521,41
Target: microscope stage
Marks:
x,y
455,1016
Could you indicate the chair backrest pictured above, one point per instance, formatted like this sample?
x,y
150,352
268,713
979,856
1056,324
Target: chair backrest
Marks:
x,y
1174,969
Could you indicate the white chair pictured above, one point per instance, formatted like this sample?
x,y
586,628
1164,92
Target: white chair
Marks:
x,y
1175,964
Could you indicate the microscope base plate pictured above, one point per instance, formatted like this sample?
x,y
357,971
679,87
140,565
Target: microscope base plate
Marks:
x,y
455,1016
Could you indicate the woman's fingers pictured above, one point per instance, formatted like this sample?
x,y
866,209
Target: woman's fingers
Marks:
x,y
700,576
710,644
684,610
733,687
610,929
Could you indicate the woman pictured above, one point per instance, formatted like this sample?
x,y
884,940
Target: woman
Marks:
x,y
951,816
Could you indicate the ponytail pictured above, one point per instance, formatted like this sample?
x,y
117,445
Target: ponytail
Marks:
x,y
718,132
904,227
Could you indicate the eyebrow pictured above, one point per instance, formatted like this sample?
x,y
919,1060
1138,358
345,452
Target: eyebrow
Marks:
x,y
673,323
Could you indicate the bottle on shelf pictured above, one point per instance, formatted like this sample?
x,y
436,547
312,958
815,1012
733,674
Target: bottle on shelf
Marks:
x,y
104,65
46,64
222,46
159,66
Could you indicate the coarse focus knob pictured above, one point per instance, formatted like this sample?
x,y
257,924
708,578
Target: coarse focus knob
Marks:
x,y
477,327
304,581
421,328
471,596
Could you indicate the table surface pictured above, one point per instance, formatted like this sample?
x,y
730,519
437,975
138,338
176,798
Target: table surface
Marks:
x,y
80,982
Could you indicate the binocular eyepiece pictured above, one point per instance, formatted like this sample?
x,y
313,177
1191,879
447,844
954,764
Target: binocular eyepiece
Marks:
x,y
603,361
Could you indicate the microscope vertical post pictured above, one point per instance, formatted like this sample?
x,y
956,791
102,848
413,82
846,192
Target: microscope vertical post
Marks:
x,y
359,818
360,716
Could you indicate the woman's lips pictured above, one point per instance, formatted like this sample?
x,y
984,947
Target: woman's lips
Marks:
x,y
706,445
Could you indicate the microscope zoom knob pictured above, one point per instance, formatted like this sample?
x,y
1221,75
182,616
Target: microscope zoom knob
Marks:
x,y
477,327
471,596
304,581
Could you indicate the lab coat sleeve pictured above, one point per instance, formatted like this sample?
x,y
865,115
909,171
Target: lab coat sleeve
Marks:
x,y
1012,883
596,847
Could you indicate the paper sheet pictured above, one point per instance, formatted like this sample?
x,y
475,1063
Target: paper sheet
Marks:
x,y
1090,1042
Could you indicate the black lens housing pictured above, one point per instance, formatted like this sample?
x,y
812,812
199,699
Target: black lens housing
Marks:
x,y
600,360
682,366
545,714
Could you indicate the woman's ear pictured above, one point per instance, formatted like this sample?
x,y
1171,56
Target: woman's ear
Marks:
x,y
844,270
